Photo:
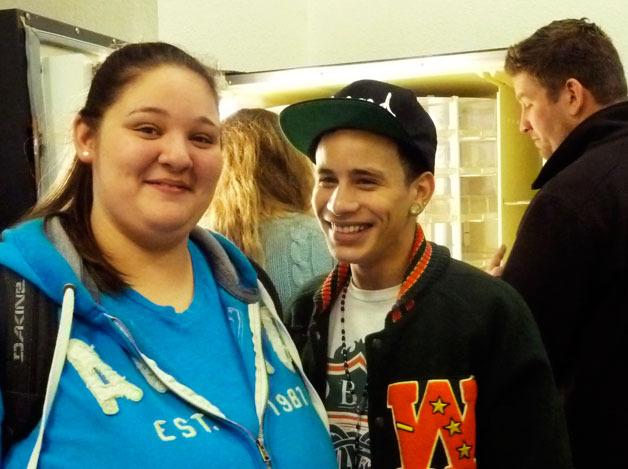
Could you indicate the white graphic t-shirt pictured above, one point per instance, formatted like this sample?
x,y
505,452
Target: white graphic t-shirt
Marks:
x,y
365,313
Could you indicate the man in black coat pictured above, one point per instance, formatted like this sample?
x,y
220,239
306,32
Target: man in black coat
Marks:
x,y
570,257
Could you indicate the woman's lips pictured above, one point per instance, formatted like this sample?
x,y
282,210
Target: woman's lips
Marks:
x,y
169,186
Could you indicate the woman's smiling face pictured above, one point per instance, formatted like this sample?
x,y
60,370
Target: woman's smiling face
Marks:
x,y
155,156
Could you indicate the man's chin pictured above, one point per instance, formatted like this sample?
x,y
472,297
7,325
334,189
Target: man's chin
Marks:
x,y
346,255
544,153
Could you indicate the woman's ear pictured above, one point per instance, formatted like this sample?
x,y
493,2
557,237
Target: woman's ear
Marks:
x,y
84,141
423,187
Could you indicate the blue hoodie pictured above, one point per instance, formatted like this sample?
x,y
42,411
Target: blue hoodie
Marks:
x,y
139,384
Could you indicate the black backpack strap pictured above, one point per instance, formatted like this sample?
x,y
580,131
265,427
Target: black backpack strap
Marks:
x,y
300,310
29,323
28,329
268,285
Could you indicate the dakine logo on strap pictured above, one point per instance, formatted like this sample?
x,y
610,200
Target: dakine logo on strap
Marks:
x,y
18,318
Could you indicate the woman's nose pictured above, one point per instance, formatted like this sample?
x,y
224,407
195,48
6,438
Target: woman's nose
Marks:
x,y
175,153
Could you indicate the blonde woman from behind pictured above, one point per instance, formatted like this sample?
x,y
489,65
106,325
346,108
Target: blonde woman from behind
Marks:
x,y
262,201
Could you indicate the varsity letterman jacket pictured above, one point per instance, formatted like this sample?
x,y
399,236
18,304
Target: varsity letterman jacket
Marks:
x,y
457,378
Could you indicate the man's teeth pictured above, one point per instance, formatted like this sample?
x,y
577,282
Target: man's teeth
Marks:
x,y
348,228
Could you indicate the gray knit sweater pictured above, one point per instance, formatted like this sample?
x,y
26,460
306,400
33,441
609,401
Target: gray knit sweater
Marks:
x,y
295,251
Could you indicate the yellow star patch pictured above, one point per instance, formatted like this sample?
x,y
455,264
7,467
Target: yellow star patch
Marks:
x,y
438,406
453,427
464,451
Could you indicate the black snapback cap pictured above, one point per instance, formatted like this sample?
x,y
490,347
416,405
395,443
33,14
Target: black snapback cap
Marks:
x,y
370,105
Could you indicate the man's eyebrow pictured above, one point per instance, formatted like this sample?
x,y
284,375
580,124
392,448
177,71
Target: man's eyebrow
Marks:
x,y
323,170
367,172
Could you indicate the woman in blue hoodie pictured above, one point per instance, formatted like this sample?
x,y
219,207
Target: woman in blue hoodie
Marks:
x,y
169,351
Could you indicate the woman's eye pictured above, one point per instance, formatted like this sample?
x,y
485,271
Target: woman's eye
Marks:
x,y
203,139
148,130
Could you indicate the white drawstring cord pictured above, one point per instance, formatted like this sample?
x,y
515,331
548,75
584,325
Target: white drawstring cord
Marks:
x,y
58,361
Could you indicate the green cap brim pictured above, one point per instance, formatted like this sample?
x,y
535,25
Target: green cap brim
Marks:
x,y
303,123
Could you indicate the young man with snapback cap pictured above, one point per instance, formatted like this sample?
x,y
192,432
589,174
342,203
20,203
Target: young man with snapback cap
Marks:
x,y
424,362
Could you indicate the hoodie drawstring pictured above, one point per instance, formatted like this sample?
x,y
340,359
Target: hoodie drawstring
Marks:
x,y
58,360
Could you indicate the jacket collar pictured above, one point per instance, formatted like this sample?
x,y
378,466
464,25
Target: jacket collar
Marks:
x,y
600,126
42,253
425,261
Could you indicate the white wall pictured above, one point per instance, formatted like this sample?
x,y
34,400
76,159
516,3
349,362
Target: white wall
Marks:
x,y
242,35
131,21
252,35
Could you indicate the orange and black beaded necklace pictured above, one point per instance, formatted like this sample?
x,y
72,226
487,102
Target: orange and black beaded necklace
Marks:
x,y
339,278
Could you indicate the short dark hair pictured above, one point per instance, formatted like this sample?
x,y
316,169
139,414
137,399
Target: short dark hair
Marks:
x,y
413,166
73,200
570,48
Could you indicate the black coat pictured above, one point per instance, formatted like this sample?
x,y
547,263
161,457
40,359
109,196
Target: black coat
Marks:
x,y
570,262
463,329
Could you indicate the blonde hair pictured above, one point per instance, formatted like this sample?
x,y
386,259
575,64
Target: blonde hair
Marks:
x,y
263,176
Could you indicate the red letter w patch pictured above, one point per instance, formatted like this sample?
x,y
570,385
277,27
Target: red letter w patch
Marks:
x,y
438,416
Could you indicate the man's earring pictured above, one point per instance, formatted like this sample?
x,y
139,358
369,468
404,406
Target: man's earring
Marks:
x,y
416,209
85,153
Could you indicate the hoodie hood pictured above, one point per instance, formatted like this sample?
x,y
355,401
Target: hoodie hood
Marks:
x,y
32,249
232,269
27,250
